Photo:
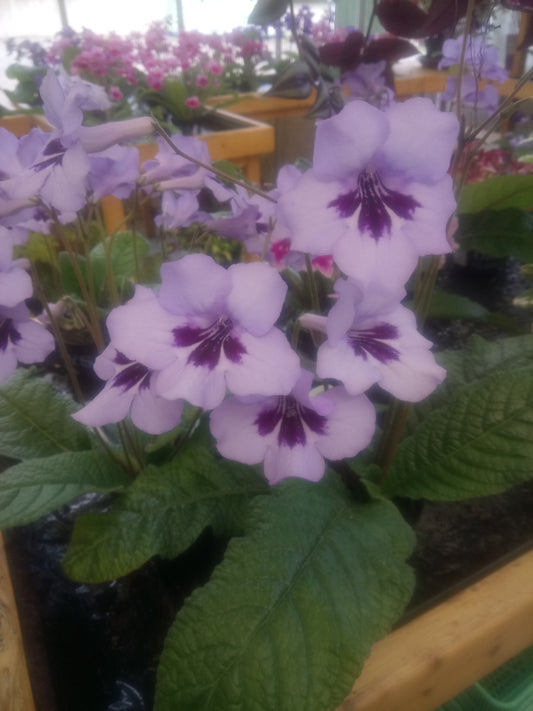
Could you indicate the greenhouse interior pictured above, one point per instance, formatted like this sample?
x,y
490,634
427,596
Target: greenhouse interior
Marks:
x,y
189,522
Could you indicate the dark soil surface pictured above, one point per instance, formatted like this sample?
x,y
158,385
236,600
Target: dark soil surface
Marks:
x,y
95,647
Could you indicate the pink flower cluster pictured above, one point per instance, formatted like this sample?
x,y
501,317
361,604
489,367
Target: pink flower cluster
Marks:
x,y
157,54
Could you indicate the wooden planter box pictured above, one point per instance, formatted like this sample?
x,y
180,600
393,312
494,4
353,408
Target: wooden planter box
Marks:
x,y
416,668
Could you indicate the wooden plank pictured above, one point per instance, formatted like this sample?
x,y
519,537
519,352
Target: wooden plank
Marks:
x,y
15,688
439,654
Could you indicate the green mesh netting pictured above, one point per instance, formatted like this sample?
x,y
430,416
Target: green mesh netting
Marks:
x,y
509,688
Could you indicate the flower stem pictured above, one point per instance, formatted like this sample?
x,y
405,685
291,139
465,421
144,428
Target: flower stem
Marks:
x,y
211,168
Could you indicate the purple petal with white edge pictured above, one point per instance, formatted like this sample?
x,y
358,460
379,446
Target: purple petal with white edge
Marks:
x,y
54,96
346,143
256,296
15,286
269,367
65,188
114,172
177,212
198,385
153,414
428,231
302,462
314,226
111,405
339,362
233,426
195,284
389,261
105,365
287,178
351,425
387,349
143,330
421,140
35,343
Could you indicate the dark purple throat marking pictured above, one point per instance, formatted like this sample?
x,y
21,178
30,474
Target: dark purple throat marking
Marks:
x,y
8,333
292,417
376,202
210,342
131,375
55,150
371,341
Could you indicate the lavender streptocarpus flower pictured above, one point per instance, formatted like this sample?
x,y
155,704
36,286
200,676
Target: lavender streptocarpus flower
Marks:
x,y
471,94
379,195
373,339
129,391
113,172
293,433
208,330
173,170
480,58
15,282
22,340
367,82
54,165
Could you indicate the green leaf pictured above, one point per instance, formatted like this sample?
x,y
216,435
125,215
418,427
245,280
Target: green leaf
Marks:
x,y
162,513
446,305
498,233
478,444
497,194
37,486
35,420
481,357
294,83
289,616
124,247
266,12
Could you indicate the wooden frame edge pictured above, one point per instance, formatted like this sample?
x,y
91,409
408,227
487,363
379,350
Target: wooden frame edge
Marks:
x,y
15,686
439,654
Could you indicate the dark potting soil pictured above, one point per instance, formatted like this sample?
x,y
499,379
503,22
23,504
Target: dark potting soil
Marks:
x,y
96,647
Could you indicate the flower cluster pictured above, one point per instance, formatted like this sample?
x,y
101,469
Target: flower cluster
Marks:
x,y
376,199
481,61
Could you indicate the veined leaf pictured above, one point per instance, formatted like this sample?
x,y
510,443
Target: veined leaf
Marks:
x,y
289,616
498,233
162,513
37,486
35,419
478,444
497,193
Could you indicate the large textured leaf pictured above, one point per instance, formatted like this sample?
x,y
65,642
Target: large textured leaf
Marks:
x,y
498,233
162,513
36,487
446,305
497,194
480,443
35,419
289,616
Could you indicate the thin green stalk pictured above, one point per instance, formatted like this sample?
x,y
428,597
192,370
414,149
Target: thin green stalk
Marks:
x,y
96,331
59,338
468,25
137,270
313,290
370,22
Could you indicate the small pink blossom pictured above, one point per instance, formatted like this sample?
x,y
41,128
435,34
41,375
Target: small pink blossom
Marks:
x,y
202,81
193,102
115,93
